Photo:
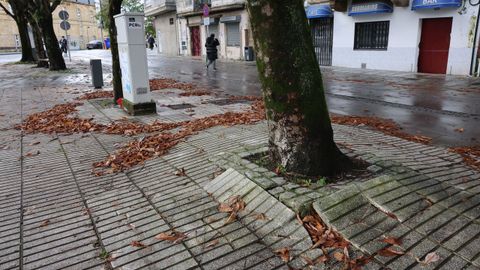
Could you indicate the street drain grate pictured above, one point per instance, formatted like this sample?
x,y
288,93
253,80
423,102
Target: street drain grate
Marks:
x,y
181,106
223,102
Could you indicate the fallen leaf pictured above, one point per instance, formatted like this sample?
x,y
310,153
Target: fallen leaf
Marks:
x,y
224,208
180,172
34,143
212,243
260,216
460,130
389,252
172,236
284,254
339,256
392,241
322,259
131,226
32,154
45,223
231,218
137,244
431,258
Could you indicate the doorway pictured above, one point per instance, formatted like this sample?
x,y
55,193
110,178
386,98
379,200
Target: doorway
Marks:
x,y
322,34
434,45
195,38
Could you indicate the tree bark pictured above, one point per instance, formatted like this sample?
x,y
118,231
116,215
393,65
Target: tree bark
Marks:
x,y
43,16
300,131
114,8
19,16
37,36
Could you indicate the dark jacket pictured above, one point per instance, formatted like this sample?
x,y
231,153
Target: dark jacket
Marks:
x,y
211,45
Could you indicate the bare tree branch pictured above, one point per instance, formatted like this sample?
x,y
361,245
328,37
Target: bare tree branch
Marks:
x,y
7,11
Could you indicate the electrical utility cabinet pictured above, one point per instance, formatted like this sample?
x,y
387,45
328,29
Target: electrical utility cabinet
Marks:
x,y
133,63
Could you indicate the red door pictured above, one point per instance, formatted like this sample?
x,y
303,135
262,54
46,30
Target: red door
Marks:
x,y
434,45
195,37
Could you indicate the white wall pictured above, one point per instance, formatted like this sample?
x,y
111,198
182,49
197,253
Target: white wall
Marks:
x,y
168,34
404,37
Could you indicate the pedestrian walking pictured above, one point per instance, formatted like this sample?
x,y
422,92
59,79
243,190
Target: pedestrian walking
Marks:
x,y
212,52
151,42
63,44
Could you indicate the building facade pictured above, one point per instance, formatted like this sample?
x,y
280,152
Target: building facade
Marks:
x,y
165,23
83,25
430,36
195,20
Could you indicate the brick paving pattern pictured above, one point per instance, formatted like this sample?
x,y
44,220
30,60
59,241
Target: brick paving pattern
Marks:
x,y
56,215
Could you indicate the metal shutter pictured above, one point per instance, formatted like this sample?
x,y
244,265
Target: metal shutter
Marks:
x,y
233,34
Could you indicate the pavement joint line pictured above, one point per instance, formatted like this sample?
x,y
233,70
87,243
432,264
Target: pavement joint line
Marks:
x,y
20,265
85,204
152,204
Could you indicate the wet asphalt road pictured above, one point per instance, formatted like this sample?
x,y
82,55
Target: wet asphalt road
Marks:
x,y
428,105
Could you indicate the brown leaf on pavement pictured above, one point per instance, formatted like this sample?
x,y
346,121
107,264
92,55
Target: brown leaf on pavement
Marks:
x,y
181,172
212,243
224,208
284,254
460,130
32,154
33,143
309,261
260,216
45,223
339,256
172,236
137,244
389,252
430,258
392,240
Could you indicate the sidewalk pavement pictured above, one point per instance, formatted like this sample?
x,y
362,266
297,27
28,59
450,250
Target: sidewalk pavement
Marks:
x,y
55,214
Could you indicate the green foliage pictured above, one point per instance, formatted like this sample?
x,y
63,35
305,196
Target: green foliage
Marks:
x,y
322,181
104,254
127,6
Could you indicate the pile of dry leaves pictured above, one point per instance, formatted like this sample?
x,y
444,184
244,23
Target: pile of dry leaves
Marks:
x,y
470,155
58,120
384,125
326,239
97,94
165,83
138,151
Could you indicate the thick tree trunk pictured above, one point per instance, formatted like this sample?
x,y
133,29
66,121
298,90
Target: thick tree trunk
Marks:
x,y
27,54
114,8
19,15
37,36
301,135
54,53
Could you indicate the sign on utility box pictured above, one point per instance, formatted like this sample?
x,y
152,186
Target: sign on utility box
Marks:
x,y
133,62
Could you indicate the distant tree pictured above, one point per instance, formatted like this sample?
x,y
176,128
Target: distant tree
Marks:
x,y
149,28
18,14
37,37
43,16
300,131
127,6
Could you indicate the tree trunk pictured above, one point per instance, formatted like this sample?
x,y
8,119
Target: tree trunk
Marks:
x,y
114,8
301,135
37,36
20,18
43,16
54,53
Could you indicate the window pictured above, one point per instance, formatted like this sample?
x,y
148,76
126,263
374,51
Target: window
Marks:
x,y
171,21
233,34
371,35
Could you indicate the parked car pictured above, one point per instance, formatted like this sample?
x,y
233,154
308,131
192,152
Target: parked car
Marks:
x,y
95,44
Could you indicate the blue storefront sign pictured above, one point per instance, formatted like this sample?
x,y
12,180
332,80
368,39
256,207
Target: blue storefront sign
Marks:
x,y
319,11
435,4
364,8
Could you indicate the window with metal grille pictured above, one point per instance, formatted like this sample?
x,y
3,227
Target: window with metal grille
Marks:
x,y
233,34
371,35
